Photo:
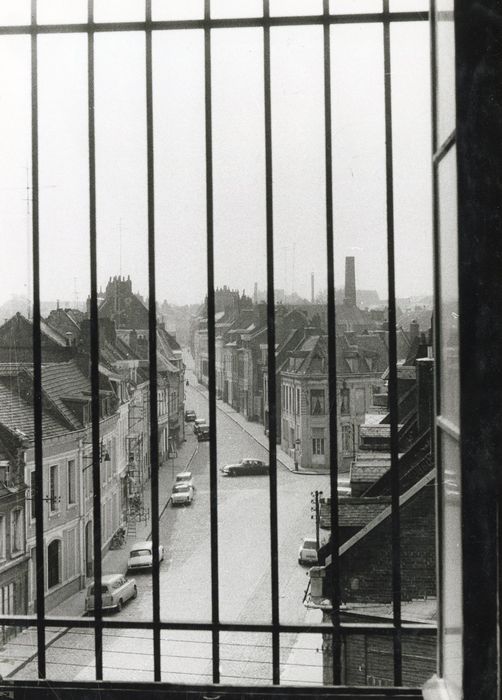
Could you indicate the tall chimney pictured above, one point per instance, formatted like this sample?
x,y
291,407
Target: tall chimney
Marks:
x,y
312,287
350,281
255,295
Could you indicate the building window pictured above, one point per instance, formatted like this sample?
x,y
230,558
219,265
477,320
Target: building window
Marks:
x,y
53,488
345,394
2,537
17,532
297,402
317,402
346,433
54,563
72,495
32,495
317,446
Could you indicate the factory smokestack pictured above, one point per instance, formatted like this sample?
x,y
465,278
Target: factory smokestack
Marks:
x,y
312,287
350,282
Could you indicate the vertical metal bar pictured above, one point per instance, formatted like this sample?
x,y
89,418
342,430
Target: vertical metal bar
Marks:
x,y
213,481
332,383
435,431
94,343
37,357
152,347
393,397
271,364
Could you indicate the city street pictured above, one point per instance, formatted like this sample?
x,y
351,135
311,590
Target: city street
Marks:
x,y
244,576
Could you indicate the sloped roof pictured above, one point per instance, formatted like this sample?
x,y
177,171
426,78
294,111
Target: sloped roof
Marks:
x,y
63,380
358,512
15,412
413,465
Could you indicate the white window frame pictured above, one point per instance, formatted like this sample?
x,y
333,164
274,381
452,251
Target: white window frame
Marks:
x,y
3,541
71,503
54,505
14,552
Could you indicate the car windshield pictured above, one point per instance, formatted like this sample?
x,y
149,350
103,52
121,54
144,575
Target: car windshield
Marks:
x,y
309,544
140,553
104,590
180,489
183,477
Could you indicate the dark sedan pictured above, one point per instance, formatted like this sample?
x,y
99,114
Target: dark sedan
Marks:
x,y
190,416
245,467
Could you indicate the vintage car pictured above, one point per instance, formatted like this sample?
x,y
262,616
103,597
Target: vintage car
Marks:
x,y
182,494
141,555
249,465
116,590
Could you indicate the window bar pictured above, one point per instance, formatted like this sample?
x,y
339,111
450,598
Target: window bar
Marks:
x,y
213,480
332,383
37,356
272,395
94,342
152,348
393,398
436,339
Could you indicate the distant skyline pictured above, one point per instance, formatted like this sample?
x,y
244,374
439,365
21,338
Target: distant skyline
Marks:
x,y
238,159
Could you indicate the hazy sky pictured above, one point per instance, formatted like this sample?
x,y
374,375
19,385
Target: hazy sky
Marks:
x,y
238,146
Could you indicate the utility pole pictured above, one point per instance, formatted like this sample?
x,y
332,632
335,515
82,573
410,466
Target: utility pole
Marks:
x,y
315,510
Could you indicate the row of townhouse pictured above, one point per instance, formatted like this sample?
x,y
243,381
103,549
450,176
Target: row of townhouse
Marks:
x,y
124,453
301,359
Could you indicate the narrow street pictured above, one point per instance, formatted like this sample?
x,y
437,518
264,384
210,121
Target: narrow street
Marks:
x,y
185,583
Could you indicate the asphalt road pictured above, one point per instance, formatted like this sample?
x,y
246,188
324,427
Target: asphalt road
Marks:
x,y
185,583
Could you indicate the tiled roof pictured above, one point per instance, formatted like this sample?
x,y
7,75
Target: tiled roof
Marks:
x,y
358,512
15,412
64,379
368,472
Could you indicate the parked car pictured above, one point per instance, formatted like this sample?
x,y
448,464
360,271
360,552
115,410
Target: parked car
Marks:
x,y
116,590
307,554
182,495
249,465
185,478
203,433
197,423
141,555
190,416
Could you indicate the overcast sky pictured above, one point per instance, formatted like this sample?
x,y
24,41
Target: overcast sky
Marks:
x,y
238,143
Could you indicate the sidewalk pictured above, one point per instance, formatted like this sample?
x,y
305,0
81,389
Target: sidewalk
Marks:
x,y
22,649
255,430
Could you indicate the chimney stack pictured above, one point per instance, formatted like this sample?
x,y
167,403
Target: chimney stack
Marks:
x,y
312,287
255,295
350,281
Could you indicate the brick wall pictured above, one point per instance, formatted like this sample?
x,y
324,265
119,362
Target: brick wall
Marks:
x,y
366,567
369,660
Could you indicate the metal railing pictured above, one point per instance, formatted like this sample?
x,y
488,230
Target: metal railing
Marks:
x,y
336,628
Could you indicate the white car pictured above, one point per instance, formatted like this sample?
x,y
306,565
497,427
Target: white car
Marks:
x,y
141,555
184,478
116,590
307,554
182,494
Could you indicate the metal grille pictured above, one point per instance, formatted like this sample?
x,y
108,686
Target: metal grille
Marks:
x,y
338,630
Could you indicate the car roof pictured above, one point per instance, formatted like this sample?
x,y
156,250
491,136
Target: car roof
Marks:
x,y
108,578
251,459
145,544
310,539
185,474
200,420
